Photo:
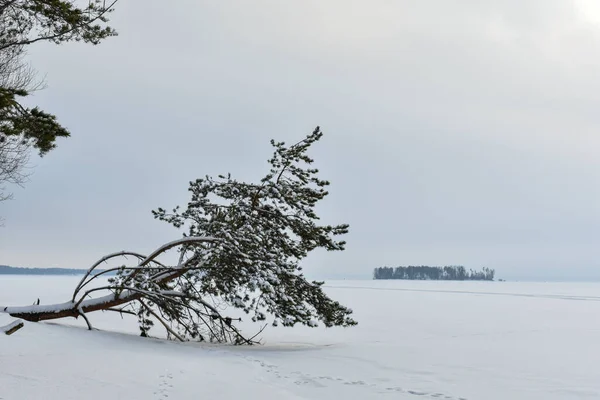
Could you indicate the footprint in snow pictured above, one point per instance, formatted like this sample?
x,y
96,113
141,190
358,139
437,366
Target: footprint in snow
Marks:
x,y
303,379
164,386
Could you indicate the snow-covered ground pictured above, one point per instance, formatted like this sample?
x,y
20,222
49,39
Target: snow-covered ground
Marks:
x,y
437,340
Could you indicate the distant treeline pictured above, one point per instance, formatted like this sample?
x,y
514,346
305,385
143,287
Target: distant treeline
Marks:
x,y
6,270
448,273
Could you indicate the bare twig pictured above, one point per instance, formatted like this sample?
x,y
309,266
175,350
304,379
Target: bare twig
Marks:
x,y
121,311
100,261
167,327
87,321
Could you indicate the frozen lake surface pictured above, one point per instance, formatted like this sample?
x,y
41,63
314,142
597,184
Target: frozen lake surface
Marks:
x,y
436,340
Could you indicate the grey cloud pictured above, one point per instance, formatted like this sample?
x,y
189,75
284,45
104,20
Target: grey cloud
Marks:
x,y
455,133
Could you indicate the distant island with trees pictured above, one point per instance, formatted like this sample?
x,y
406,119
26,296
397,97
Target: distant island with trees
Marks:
x,y
447,273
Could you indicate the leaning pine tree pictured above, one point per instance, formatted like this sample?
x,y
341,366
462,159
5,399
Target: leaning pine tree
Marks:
x,y
242,248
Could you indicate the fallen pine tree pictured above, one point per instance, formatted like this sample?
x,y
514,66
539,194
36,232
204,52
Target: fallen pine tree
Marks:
x,y
242,249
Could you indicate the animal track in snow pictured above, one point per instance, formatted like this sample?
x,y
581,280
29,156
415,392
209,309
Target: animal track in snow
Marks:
x,y
164,386
305,379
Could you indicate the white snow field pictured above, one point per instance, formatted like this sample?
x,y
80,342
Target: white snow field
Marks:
x,y
415,340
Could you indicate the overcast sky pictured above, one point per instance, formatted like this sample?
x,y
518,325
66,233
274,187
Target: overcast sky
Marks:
x,y
456,132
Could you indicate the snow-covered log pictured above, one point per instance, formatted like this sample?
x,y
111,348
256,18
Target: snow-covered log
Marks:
x,y
154,287
75,308
12,327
